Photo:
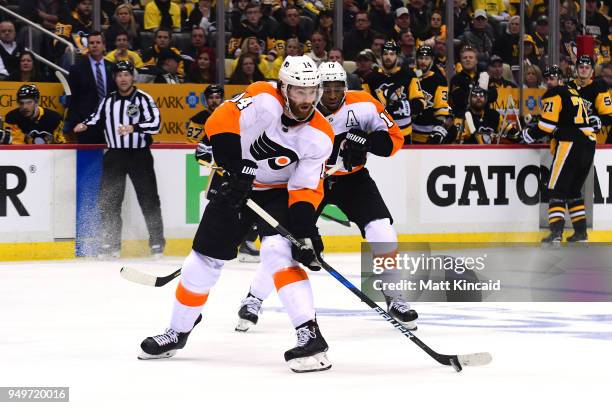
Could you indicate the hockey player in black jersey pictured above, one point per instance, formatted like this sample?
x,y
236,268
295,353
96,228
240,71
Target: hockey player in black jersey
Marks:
x,y
596,98
565,119
214,93
481,124
398,89
32,124
430,127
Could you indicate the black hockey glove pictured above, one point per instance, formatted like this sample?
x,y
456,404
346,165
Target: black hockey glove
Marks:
x,y
309,254
527,138
595,123
204,152
355,150
416,107
438,135
237,183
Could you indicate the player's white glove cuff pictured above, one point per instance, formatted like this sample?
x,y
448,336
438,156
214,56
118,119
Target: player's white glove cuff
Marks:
x,y
595,123
527,137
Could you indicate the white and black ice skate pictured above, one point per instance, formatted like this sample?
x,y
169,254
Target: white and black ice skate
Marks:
x,y
164,345
248,253
401,311
108,252
250,308
309,353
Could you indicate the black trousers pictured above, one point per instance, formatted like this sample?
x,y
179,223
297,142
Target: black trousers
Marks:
x,y
570,167
138,164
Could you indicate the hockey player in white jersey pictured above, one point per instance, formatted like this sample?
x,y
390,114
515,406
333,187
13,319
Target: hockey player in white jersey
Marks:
x,y
272,144
362,126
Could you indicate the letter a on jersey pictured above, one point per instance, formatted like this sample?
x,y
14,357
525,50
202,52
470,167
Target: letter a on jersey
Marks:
x,y
278,156
351,120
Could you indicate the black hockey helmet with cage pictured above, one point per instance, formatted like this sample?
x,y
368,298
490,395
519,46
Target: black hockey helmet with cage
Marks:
x,y
214,89
28,91
425,51
552,71
123,66
391,46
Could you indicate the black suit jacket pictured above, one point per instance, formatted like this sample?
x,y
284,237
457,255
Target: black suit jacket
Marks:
x,y
84,99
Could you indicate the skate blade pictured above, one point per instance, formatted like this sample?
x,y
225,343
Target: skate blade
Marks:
x,y
244,325
147,356
246,258
317,362
412,326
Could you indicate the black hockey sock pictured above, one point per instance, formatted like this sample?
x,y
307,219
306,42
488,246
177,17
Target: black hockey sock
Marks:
x,y
577,213
556,214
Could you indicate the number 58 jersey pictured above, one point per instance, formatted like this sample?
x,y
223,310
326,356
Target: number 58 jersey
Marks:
x,y
288,154
362,111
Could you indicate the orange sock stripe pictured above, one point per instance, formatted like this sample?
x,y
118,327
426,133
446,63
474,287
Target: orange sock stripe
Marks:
x,y
289,275
189,298
577,208
553,209
555,219
580,217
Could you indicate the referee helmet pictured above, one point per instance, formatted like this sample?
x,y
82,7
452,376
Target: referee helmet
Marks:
x,y
123,66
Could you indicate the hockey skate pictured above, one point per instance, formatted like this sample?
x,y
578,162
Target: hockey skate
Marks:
x,y
164,345
106,252
250,307
578,237
553,239
401,311
247,252
309,353
157,251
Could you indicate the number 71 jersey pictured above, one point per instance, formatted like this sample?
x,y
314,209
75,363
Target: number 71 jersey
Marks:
x,y
361,110
565,115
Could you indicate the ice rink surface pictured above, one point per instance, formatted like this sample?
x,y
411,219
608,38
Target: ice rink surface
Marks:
x,y
78,324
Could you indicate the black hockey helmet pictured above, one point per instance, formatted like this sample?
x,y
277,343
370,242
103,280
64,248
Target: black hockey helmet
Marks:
x,y
214,89
29,91
391,46
123,66
425,51
552,71
478,91
585,60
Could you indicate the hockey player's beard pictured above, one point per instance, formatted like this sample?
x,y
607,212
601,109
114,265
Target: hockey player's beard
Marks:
x,y
388,65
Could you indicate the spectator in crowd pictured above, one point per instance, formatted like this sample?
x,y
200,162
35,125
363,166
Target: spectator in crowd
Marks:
x,y
28,70
162,41
251,46
352,80
9,50
434,29
292,26
407,45
252,26
247,71
569,32
294,48
202,70
531,51
30,123
162,13
377,45
440,54
365,62
359,38
325,25
506,45
402,23
606,74
537,8
462,82
478,36
198,43
462,18
123,21
90,81
533,77
596,22
495,9
75,27
168,62
238,12
540,35
202,16
318,53
122,51
496,74
381,16
419,17
44,13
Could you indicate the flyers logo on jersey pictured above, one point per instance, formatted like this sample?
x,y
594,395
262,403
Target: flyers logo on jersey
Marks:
x,y
278,156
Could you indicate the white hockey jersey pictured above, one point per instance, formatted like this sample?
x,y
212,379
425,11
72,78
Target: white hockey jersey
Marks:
x,y
361,110
291,157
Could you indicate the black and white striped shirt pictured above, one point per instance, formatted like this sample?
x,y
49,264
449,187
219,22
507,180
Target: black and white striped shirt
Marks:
x,y
137,109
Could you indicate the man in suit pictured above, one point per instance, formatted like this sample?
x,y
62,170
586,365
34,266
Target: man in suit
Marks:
x,y
90,81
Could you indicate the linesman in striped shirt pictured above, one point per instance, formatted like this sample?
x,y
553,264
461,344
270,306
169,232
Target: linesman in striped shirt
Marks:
x,y
130,119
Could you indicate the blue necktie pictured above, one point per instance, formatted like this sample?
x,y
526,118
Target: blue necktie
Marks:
x,y
100,82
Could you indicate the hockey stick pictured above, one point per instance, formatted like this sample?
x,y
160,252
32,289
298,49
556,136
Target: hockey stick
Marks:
x,y
456,361
338,220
